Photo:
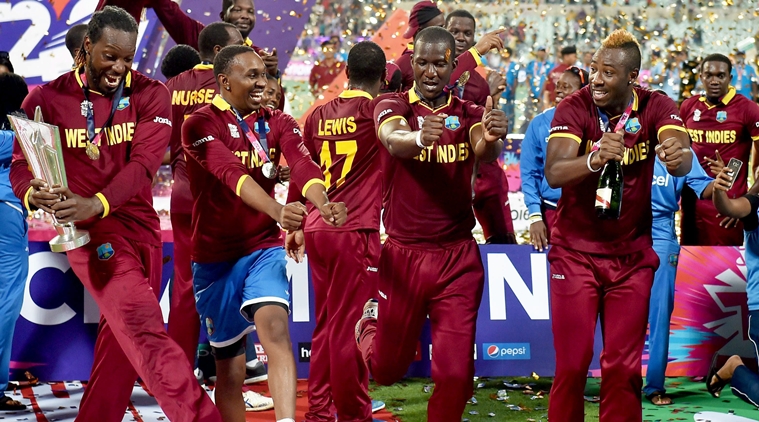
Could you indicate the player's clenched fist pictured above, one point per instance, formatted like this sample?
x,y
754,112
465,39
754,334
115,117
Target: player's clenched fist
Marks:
x,y
432,128
291,216
611,148
334,213
494,122
671,153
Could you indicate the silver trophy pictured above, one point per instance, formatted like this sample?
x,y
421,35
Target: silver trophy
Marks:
x,y
41,144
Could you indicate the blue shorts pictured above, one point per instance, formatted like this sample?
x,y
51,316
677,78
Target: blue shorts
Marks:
x,y
227,292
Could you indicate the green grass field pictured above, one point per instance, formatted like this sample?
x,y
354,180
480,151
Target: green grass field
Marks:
x,y
408,401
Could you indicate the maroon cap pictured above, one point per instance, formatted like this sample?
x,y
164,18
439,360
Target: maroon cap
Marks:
x,y
390,69
421,13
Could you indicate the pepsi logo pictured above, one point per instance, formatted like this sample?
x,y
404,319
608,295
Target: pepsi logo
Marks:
x,y
493,351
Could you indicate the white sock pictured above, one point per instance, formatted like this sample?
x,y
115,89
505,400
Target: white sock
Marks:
x,y
286,420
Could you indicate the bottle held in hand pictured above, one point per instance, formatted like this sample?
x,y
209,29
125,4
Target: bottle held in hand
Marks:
x,y
609,192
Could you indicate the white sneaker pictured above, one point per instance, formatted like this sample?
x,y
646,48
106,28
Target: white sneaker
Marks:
x,y
255,402
370,312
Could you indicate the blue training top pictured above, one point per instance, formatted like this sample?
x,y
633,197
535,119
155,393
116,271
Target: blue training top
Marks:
x,y
665,195
6,153
532,164
751,243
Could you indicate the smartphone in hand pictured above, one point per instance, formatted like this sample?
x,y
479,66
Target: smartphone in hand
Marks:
x,y
734,166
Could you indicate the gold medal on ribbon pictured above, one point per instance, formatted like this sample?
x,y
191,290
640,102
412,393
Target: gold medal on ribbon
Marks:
x,y
92,151
464,78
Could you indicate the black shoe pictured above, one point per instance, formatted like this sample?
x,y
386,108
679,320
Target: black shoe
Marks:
x,y
7,404
255,372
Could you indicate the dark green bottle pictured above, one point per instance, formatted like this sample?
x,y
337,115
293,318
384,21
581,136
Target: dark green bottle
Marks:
x,y
609,192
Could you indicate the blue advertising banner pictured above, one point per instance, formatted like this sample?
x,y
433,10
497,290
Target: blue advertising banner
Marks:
x,y
55,334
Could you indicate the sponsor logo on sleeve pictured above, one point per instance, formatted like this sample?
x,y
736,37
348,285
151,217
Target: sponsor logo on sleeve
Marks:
x,y
297,132
757,124
162,120
679,119
383,113
506,351
233,131
208,138
559,128
209,326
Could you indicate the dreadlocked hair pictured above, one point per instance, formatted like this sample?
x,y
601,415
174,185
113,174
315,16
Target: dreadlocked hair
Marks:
x,y
110,17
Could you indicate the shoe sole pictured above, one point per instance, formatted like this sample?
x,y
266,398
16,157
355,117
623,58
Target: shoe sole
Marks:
x,y
256,380
259,409
378,409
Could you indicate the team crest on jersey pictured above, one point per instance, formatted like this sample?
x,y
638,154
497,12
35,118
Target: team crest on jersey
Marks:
x,y
123,103
420,120
209,326
85,107
105,252
721,116
633,126
452,122
697,115
233,131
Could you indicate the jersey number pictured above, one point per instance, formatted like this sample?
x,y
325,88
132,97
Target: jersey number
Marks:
x,y
346,148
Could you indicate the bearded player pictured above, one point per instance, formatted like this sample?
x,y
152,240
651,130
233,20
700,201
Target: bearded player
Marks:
x,y
430,264
718,121
340,136
239,276
117,124
606,267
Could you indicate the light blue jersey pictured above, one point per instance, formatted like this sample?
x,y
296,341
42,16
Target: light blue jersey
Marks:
x,y
510,71
743,76
665,195
538,72
532,164
751,244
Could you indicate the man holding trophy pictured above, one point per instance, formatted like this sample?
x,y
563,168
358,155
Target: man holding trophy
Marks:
x,y
115,126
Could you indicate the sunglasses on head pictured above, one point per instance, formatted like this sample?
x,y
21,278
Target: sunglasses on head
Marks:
x,y
577,71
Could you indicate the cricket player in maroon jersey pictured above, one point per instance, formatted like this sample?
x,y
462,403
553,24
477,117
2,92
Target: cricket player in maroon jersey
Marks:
x,y
185,30
340,136
190,91
430,264
491,188
606,267
325,71
239,276
719,122
116,124
426,14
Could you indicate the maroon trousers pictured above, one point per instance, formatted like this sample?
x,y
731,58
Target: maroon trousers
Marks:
x,y
416,281
617,288
344,276
184,322
491,204
131,339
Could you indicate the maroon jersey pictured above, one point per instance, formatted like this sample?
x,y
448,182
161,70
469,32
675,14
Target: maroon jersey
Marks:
x,y
467,61
340,136
553,79
577,226
190,91
130,151
323,75
429,197
219,159
476,89
730,127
